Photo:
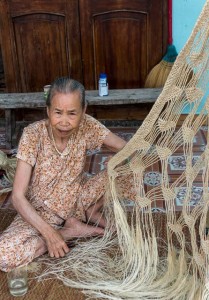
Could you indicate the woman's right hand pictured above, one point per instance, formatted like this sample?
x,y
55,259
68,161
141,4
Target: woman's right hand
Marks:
x,y
55,244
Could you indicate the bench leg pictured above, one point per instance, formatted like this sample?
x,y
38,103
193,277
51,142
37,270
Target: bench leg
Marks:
x,y
10,127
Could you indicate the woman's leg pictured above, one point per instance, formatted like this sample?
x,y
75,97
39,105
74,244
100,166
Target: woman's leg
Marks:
x,y
94,213
91,200
17,244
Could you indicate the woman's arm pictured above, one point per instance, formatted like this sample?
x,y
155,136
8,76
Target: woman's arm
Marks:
x,y
114,142
55,243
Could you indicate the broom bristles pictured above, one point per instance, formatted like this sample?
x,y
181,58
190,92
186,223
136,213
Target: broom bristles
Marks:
x,y
158,75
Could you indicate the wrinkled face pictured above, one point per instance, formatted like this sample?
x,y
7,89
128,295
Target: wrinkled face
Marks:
x,y
65,114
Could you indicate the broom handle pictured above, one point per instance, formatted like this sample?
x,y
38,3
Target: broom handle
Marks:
x,y
170,38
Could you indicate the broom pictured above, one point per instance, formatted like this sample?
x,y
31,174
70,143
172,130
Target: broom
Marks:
x,y
158,75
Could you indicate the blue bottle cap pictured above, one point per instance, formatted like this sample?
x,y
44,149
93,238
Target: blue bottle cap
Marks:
x,y
103,75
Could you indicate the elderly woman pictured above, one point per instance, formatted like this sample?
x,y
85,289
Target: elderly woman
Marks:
x,y
53,199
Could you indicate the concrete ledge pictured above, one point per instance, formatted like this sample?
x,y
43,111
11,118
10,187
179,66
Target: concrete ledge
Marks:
x,y
115,97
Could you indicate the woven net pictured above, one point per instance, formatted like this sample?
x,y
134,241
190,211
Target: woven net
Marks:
x,y
131,264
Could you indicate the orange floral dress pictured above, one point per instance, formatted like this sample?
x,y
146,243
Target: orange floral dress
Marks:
x,y
58,188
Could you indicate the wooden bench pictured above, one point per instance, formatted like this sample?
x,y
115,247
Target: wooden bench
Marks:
x,y
10,102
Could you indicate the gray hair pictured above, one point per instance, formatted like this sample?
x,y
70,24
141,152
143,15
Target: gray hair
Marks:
x,y
66,85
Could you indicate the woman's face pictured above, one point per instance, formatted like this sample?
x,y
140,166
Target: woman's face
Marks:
x,y
65,114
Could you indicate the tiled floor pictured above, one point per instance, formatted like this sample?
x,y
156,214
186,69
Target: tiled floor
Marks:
x,y
152,176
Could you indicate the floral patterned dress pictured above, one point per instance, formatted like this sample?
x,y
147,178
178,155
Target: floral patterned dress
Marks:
x,y
58,188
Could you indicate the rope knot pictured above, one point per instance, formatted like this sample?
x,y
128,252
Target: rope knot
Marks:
x,y
165,125
168,194
177,228
163,152
189,220
193,94
144,202
188,134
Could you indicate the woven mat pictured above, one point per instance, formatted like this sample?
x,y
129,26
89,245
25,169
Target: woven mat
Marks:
x,y
54,289
46,290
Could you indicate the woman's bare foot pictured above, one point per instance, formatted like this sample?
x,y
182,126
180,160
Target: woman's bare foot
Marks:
x,y
74,228
96,218
94,214
41,247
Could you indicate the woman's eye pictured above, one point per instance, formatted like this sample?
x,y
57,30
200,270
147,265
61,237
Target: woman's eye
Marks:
x,y
72,115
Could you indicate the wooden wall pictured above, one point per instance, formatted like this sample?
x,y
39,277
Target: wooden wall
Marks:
x,y
2,79
42,40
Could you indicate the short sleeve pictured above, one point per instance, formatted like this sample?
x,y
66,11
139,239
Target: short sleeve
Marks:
x,y
28,145
95,133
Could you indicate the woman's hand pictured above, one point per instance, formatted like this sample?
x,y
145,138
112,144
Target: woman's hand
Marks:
x,y
56,244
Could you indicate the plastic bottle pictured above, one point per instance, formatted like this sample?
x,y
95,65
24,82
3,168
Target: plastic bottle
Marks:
x,y
103,85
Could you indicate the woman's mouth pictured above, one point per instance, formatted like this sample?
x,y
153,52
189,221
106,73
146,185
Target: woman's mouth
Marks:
x,y
64,131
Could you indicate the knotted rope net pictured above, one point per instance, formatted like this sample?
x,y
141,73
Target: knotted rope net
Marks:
x,y
131,264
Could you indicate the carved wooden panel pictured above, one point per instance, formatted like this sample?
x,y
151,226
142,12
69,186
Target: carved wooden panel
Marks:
x,y
40,42
123,38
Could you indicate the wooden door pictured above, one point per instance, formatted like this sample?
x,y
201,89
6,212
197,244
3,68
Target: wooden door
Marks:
x,y
40,41
123,38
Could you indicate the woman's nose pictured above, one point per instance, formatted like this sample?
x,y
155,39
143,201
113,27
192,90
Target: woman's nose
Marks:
x,y
64,120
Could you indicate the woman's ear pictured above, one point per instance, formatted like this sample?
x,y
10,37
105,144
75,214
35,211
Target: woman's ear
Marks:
x,y
47,111
84,110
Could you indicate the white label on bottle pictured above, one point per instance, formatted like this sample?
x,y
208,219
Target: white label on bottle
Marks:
x,y
103,80
103,89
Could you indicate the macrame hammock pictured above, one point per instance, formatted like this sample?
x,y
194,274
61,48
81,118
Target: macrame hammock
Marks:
x,y
131,264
